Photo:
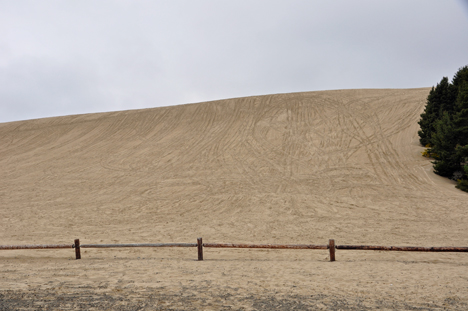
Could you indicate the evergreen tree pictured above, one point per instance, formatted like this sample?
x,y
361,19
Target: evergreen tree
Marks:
x,y
462,183
452,132
461,116
444,141
444,125
440,99
461,123
460,77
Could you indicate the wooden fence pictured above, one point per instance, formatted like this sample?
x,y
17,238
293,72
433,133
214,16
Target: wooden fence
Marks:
x,y
200,245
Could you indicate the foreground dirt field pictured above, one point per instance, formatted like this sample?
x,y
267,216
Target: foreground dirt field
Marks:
x,y
296,168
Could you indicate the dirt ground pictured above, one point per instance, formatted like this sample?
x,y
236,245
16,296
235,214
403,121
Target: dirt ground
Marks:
x,y
298,168
155,300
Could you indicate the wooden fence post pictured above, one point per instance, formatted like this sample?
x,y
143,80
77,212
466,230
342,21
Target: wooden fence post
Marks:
x,y
200,248
77,249
331,246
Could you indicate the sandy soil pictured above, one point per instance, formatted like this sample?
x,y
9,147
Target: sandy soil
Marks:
x,y
296,168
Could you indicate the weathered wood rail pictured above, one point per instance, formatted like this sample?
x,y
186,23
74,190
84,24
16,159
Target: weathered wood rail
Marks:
x,y
200,245
5,247
271,246
139,245
403,248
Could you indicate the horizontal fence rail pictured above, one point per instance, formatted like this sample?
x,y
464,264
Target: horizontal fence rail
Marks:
x,y
403,248
139,245
200,245
35,246
271,246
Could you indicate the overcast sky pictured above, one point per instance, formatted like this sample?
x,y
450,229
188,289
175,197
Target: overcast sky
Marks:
x,y
72,57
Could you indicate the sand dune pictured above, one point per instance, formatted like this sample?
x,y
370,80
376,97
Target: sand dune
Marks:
x,y
288,168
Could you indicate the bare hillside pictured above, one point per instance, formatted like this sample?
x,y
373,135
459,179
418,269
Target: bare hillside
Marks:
x,y
288,168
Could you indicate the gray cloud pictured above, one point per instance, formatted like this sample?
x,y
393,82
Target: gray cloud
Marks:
x,y
65,57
